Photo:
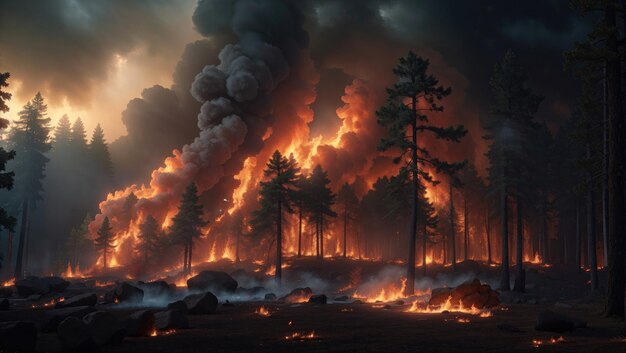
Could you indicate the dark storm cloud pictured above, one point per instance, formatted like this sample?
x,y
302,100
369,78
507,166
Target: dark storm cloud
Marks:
x,y
69,46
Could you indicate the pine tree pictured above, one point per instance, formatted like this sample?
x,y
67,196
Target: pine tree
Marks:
x,y
100,152
6,178
187,224
105,241
148,240
321,200
78,137
277,195
62,133
348,204
416,94
510,124
78,242
29,138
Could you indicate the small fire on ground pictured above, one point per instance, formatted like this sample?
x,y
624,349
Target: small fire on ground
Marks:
x,y
263,311
552,340
301,336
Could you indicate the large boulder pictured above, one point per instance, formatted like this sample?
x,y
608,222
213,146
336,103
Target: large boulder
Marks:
x,y
141,324
216,281
298,295
551,321
44,285
179,305
104,327
201,304
157,288
470,293
17,336
124,292
75,336
5,304
87,299
171,319
52,318
318,299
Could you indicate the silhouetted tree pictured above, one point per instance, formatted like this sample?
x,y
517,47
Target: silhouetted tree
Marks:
x,y
105,241
78,243
276,196
409,100
510,123
348,203
148,240
6,178
29,139
187,224
321,200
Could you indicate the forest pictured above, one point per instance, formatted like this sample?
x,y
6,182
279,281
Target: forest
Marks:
x,y
317,177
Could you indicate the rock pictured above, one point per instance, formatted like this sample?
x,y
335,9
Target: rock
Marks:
x,y
201,304
75,336
318,299
87,299
6,292
387,307
124,292
18,336
477,300
179,305
171,319
439,296
34,297
358,301
298,295
470,293
554,322
270,296
343,298
5,304
104,327
399,302
505,326
52,318
157,288
217,281
562,305
140,324
465,289
44,285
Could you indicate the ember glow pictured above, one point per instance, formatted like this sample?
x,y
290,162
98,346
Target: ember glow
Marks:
x,y
301,336
263,311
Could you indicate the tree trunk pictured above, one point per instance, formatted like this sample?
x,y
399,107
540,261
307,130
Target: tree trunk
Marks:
x,y
345,231
424,250
487,231
189,257
616,284
317,238
605,174
20,245
279,243
322,238
237,238
452,230
466,226
577,250
544,229
504,216
300,232
520,275
186,249
410,263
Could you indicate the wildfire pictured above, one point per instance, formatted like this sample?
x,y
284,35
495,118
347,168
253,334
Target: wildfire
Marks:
x,y
155,333
69,273
263,311
301,336
463,320
391,293
448,306
9,283
48,304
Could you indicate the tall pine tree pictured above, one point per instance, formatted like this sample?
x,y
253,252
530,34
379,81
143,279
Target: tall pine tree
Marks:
x,y
105,241
187,224
6,178
348,205
415,95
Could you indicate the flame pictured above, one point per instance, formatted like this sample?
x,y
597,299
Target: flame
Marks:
x,y
263,311
9,283
448,306
388,294
301,336
552,340
76,273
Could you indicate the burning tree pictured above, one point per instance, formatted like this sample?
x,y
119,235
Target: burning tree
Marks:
x,y
276,197
349,204
404,115
187,224
105,241
321,199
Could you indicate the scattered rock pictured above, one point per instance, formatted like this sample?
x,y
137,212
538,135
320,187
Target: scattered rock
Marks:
x,y
44,285
201,304
104,327
470,293
124,292
217,281
87,299
18,336
318,299
554,322
270,296
179,305
507,327
5,304
52,318
157,288
343,298
141,324
75,336
298,295
171,319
